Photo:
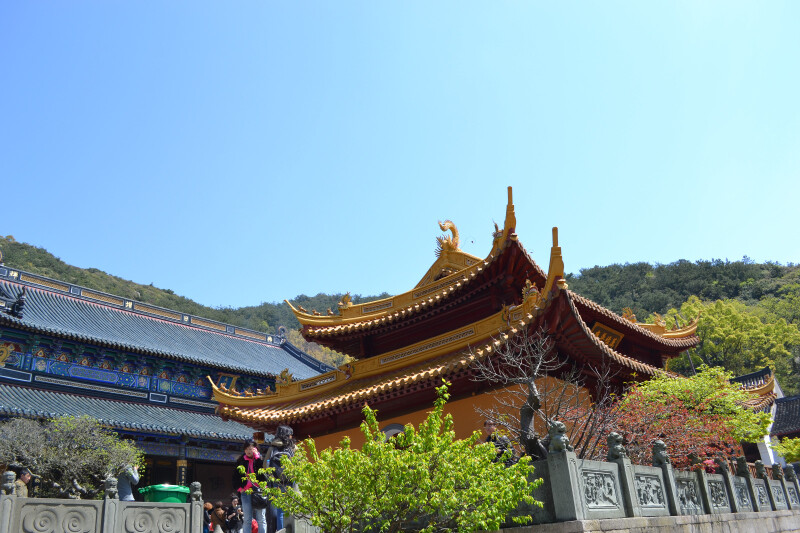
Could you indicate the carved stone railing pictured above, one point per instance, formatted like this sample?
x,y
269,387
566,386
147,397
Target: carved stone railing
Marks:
x,y
51,515
579,489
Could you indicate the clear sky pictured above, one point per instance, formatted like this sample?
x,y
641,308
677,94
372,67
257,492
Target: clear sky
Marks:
x,y
240,152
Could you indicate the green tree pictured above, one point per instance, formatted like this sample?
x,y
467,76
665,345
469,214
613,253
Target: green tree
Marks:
x,y
703,414
420,480
710,392
734,336
71,455
789,449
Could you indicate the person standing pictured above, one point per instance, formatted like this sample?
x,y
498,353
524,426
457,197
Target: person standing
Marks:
x,y
502,444
21,484
251,463
126,481
281,448
235,516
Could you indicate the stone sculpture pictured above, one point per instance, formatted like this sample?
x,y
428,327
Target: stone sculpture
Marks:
x,y
196,494
722,465
660,455
789,473
615,448
761,472
8,482
741,467
111,488
559,442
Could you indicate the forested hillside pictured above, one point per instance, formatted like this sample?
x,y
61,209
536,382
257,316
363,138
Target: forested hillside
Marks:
x,y
749,312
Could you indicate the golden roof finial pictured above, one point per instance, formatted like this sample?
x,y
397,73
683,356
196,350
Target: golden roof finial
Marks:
x,y
445,243
345,303
555,274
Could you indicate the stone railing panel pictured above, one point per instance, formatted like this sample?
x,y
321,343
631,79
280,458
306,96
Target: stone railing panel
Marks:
x,y
689,498
46,515
716,493
601,489
741,495
651,493
763,498
142,517
794,499
778,496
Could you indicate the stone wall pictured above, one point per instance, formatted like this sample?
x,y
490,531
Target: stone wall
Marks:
x,y
49,515
577,489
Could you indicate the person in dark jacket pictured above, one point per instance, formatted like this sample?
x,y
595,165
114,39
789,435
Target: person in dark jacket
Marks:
x,y
281,448
251,461
501,443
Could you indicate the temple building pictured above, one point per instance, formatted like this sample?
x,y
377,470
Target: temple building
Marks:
x,y
138,369
463,308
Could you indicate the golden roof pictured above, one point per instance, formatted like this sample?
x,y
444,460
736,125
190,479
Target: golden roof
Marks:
x,y
448,353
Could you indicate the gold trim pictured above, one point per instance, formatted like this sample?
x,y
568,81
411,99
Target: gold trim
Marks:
x,y
372,308
608,335
44,282
479,335
102,297
156,311
250,334
206,323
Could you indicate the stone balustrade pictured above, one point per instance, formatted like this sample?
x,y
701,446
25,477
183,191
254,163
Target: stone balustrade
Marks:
x,y
50,515
582,489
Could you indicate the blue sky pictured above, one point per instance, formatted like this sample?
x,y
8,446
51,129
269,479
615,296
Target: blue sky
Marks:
x,y
240,152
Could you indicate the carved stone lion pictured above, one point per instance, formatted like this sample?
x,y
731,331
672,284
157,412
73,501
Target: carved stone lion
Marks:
x,y
722,465
8,482
196,494
742,469
559,442
660,455
111,488
777,471
789,473
761,472
615,448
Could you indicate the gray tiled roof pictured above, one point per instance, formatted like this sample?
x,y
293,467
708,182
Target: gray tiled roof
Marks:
x,y
787,416
76,318
120,415
754,379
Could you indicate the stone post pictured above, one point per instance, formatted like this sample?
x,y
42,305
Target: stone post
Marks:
x,y
110,504
7,501
777,474
742,470
565,487
196,511
618,454
792,485
661,460
703,482
724,469
761,473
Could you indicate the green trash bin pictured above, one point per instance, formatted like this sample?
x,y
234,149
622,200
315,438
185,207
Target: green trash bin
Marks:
x,y
165,493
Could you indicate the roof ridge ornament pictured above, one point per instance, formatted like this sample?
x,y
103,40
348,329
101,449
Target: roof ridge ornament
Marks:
x,y
445,243
555,273
509,225
346,302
